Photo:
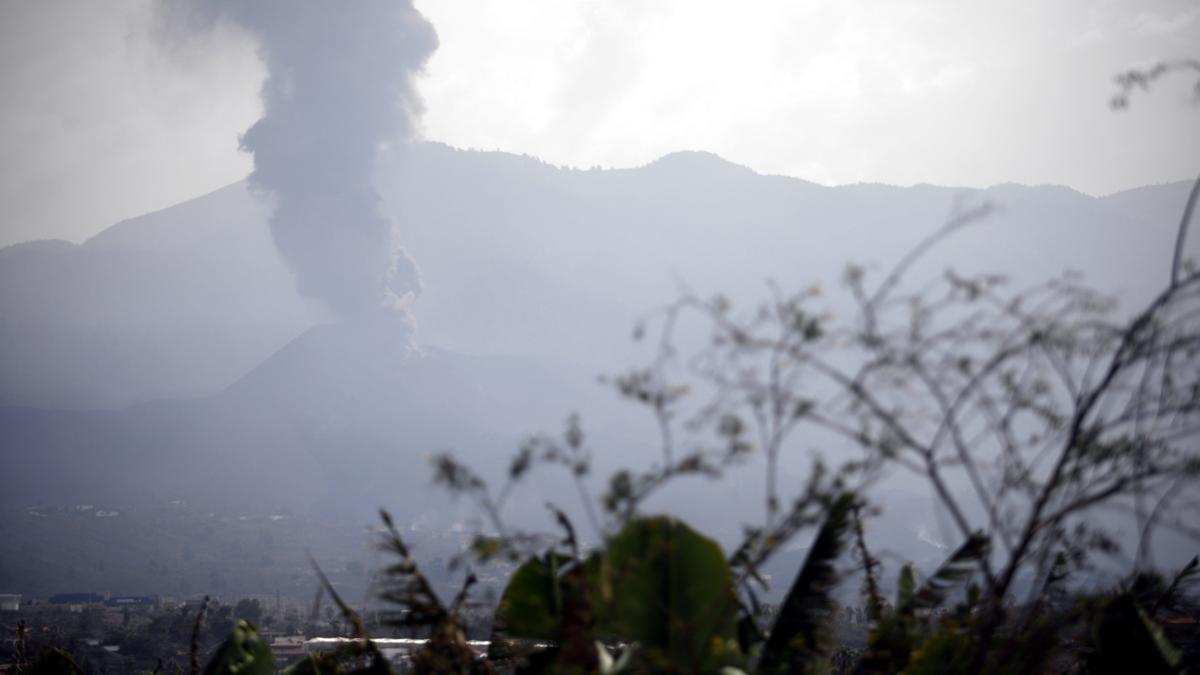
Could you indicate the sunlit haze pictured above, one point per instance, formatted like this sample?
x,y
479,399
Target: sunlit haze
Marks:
x,y
103,121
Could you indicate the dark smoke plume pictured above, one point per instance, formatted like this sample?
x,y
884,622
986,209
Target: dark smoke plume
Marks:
x,y
339,84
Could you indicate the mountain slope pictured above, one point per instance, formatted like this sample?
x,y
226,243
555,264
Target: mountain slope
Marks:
x,y
518,257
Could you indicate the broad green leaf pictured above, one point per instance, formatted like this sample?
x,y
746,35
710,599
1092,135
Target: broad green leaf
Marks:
x,y
242,653
669,589
795,641
547,600
532,603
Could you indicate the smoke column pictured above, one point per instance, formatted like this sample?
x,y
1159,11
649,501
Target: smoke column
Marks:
x,y
339,84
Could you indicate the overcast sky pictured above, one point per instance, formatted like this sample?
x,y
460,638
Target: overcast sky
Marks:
x,y
103,119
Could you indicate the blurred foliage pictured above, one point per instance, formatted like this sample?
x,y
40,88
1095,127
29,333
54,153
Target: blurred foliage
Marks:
x,y
659,597
242,653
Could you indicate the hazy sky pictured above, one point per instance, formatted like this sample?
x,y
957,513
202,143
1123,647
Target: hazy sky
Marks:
x,y
103,119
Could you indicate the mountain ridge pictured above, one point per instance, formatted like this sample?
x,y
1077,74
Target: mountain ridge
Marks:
x,y
668,159
170,358
197,295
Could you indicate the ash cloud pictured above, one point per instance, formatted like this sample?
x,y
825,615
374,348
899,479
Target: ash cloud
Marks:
x,y
339,85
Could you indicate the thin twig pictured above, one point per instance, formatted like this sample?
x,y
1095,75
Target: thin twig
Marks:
x,y
195,647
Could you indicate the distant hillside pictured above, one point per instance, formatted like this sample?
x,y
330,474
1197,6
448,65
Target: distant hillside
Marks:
x,y
180,302
518,257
